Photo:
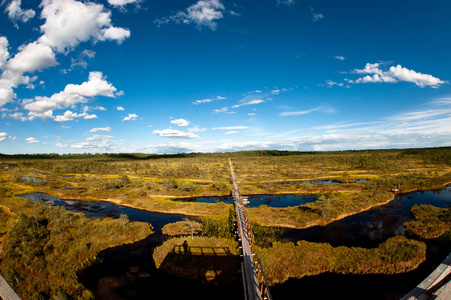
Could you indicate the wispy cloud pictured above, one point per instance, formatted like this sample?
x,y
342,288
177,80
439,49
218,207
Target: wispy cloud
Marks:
x,y
340,57
285,2
100,129
252,102
316,16
96,141
305,112
202,101
175,134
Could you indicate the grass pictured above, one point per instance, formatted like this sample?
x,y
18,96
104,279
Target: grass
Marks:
x,y
430,222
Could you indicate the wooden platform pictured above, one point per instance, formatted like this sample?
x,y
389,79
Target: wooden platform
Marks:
x,y
436,286
6,292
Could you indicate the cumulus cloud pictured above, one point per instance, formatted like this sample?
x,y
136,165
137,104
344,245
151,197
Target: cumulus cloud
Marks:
x,y
130,117
70,22
4,54
31,140
119,108
4,136
180,122
16,13
32,57
395,74
176,134
72,95
116,33
70,116
204,13
100,129
340,57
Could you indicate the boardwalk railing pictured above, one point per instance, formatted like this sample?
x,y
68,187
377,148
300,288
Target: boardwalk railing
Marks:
x,y
436,286
254,281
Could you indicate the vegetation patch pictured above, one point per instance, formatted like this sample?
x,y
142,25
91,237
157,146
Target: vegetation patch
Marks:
x,y
430,222
45,248
286,260
182,228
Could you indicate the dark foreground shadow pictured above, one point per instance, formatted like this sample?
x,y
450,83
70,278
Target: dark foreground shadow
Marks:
x,y
208,265
129,273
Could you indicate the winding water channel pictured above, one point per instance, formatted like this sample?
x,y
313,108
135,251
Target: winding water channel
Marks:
x,y
128,272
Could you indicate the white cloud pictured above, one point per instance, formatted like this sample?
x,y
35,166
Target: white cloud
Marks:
x,y
232,132
95,86
172,133
80,60
16,13
204,13
31,140
340,57
122,2
304,112
70,116
4,54
70,22
252,102
4,136
32,57
180,122
395,74
101,129
316,16
116,33
97,141
119,108
73,94
220,110
130,117
285,2
331,83
197,102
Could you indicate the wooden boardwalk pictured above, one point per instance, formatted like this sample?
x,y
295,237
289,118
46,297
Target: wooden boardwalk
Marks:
x,y
254,281
6,292
436,286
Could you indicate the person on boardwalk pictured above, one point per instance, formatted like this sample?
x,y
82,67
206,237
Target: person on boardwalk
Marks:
x,y
185,247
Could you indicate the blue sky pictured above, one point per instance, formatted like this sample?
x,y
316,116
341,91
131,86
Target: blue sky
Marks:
x,y
170,76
